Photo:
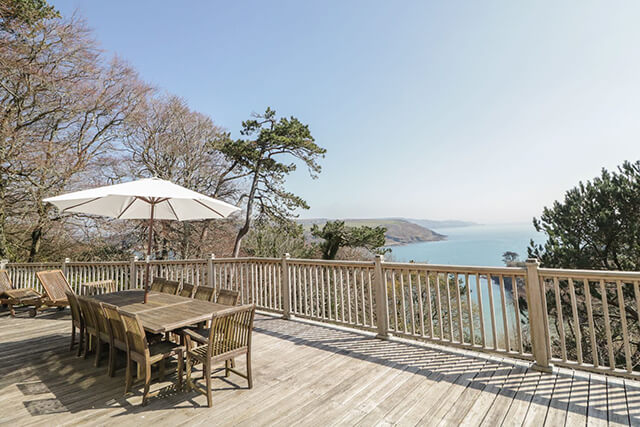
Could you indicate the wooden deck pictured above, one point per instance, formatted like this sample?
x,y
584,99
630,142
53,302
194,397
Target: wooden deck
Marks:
x,y
305,374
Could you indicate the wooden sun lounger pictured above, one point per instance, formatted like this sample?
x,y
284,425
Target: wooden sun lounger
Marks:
x,y
12,297
55,286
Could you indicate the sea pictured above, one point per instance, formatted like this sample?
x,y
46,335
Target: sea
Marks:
x,y
477,245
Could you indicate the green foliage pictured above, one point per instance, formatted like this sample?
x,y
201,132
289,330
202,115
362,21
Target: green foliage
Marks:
x,y
336,235
27,12
260,159
275,238
597,226
512,259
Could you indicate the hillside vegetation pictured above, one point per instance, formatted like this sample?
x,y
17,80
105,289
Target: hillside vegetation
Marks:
x,y
399,231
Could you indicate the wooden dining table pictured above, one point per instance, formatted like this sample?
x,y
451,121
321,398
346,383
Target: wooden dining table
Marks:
x,y
162,312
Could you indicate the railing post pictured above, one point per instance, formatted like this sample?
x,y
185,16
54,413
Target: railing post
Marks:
x,y
380,297
537,316
133,273
64,266
3,264
210,271
286,299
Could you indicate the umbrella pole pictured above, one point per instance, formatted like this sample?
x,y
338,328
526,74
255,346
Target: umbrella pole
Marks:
x,y
149,244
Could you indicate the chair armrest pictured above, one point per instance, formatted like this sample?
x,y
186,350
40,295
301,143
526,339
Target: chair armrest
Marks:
x,y
190,334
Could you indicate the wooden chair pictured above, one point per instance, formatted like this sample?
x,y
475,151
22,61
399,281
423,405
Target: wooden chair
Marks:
x,y
187,290
229,337
228,297
103,335
11,296
56,288
117,334
170,287
90,328
204,293
157,284
77,321
139,351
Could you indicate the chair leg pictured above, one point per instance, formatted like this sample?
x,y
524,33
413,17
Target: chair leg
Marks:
x,y
249,376
147,382
226,368
180,369
128,375
112,361
188,362
96,362
73,337
207,370
80,341
12,312
87,344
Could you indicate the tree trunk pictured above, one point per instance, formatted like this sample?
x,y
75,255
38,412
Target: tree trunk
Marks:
x,y
36,239
247,220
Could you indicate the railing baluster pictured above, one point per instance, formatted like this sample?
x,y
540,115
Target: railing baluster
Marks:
x,y
623,322
472,337
420,304
459,300
449,312
348,294
403,302
413,314
576,320
507,344
592,334
394,300
481,312
492,312
560,319
429,310
516,304
439,306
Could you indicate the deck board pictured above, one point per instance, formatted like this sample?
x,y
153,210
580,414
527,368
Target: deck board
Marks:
x,y
304,374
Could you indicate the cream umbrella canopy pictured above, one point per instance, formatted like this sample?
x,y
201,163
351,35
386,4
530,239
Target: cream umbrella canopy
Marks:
x,y
147,199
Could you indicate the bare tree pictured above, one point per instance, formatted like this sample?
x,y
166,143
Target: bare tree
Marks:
x,y
170,141
61,110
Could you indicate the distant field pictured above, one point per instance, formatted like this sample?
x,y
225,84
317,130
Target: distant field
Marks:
x,y
399,231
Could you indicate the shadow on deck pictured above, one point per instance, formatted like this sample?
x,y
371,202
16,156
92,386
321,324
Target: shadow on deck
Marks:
x,y
306,373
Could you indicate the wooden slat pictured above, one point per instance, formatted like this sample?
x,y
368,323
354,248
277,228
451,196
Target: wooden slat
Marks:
x,y
607,324
592,333
623,322
576,320
505,324
563,345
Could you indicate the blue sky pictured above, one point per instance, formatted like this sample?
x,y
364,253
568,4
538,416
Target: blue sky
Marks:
x,y
482,111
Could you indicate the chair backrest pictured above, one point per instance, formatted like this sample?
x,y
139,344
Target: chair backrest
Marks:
x,y
116,326
204,293
170,287
136,338
76,312
231,329
5,281
187,290
158,283
102,322
87,312
54,284
228,297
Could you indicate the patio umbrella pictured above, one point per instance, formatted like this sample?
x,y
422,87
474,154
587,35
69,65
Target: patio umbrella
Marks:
x,y
147,199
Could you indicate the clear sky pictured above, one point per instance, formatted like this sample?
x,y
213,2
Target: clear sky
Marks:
x,y
482,111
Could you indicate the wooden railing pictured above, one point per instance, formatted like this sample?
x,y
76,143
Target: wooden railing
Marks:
x,y
579,319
